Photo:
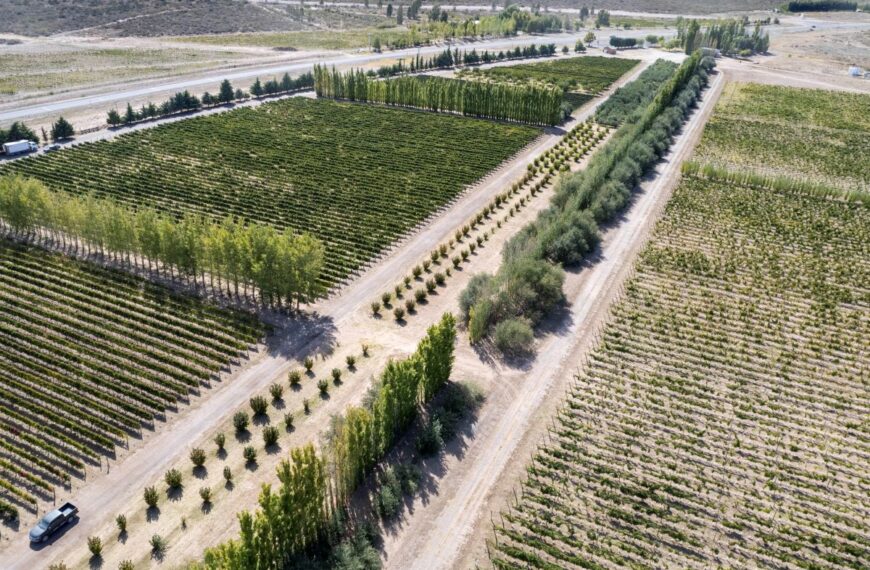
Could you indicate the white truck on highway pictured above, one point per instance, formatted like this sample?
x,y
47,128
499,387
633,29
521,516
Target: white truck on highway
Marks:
x,y
19,147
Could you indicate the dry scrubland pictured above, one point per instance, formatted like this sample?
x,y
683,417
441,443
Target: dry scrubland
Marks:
x,y
142,17
25,70
722,421
799,133
354,176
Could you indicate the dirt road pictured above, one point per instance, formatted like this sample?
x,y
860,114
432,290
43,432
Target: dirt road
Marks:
x,y
439,533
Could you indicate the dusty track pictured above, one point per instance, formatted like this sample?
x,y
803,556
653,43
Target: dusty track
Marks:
x,y
439,533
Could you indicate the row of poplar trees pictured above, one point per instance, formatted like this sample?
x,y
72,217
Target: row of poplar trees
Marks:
x,y
269,266
524,103
314,487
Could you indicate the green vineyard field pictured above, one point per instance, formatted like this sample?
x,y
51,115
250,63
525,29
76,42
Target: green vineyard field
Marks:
x,y
581,77
722,422
800,133
356,177
87,355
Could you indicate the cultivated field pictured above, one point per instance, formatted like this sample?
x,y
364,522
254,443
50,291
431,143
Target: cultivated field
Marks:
x,y
799,133
87,357
356,177
581,77
723,420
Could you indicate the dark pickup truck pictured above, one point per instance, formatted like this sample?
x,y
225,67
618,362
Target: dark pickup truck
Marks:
x,y
52,522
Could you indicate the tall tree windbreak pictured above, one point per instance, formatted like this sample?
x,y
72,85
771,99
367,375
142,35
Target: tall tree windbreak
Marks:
x,y
534,104
273,266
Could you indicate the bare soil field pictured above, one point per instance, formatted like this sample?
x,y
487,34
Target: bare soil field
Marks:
x,y
36,67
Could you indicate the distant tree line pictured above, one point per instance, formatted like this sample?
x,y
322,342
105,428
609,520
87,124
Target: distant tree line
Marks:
x,y
507,22
60,130
17,131
729,36
305,514
528,285
275,268
535,104
454,58
618,42
184,101
821,6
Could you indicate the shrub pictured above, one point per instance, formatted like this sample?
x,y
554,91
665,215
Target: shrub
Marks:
x,y
205,494
431,285
417,271
365,349
220,440
250,454
173,479
351,361
259,405
464,253
150,495
228,474
121,522
389,496
385,298
308,363
398,291
158,545
440,278
323,386
336,375
479,287
197,457
426,265
430,440
376,308
410,305
420,295
276,391
399,313
471,247
95,545
478,320
288,421
295,377
241,421
513,336
456,261
435,256
407,282
126,565
306,406
442,250
270,436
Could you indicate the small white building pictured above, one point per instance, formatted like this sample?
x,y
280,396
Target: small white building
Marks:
x,y
855,71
